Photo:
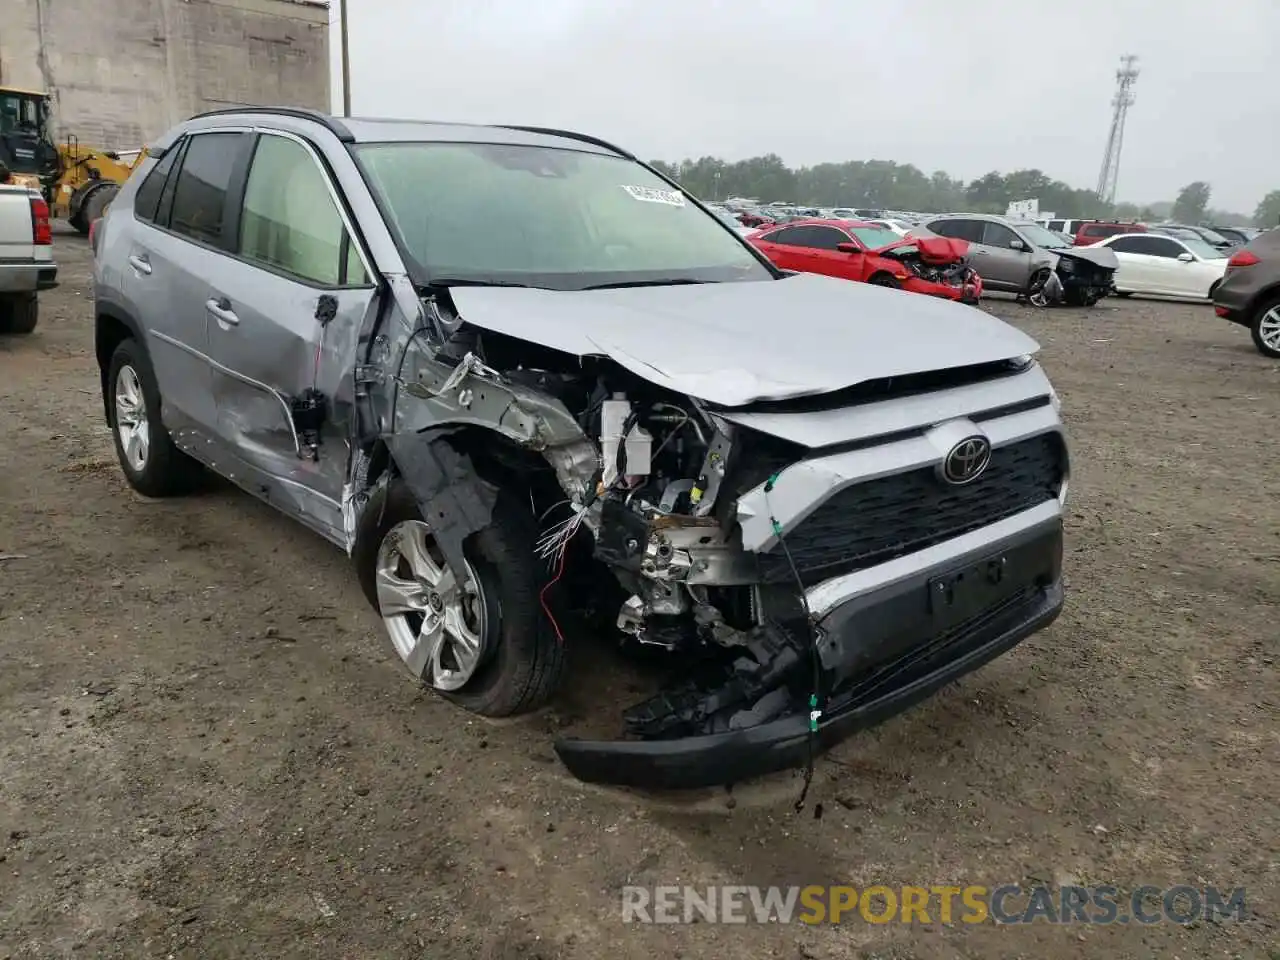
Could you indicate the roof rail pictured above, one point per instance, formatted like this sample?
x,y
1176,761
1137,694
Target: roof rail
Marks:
x,y
335,126
569,135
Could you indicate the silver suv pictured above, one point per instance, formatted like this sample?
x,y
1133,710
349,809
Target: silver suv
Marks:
x,y
1022,257
538,393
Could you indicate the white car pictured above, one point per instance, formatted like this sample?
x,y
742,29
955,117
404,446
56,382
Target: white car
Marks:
x,y
1152,263
900,227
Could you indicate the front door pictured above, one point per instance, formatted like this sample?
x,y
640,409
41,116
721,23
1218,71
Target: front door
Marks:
x,y
1009,267
284,313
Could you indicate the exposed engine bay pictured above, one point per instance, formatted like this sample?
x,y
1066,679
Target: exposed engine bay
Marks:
x,y
700,530
1078,279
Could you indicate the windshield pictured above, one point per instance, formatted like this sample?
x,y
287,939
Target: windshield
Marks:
x,y
1213,236
543,217
20,112
873,238
1042,237
1205,251
1182,233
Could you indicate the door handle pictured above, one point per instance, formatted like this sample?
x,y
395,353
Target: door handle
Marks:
x,y
220,307
140,264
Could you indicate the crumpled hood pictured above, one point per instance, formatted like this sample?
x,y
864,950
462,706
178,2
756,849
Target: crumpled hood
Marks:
x,y
1103,257
737,343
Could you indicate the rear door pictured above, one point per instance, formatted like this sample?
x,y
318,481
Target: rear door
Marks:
x,y
168,265
783,249
285,309
1134,273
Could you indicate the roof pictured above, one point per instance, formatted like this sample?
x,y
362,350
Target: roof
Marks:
x,y
5,88
384,130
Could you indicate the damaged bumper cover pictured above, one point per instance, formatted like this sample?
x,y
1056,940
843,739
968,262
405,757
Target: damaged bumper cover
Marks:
x,y
895,633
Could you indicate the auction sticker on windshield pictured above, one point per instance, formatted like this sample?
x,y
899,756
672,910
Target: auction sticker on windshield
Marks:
x,y
673,198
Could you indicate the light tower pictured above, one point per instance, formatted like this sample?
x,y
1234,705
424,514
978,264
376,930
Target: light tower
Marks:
x,y
1120,103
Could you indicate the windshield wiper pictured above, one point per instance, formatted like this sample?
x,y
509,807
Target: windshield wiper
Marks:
x,y
473,282
663,282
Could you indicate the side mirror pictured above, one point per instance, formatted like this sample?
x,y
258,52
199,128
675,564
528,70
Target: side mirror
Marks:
x,y
848,248
1186,257
1016,244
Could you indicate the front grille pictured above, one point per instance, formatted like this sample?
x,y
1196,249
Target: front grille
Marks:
x,y
872,522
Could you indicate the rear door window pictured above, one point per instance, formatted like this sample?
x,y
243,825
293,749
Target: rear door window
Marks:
x,y
200,193
1164,247
1129,244
1055,225
821,238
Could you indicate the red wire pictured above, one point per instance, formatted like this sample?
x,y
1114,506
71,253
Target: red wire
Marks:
x,y
542,597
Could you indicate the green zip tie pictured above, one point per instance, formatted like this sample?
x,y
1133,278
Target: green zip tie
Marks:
x,y
814,713
768,484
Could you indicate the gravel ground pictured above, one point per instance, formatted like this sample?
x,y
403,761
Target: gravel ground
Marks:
x,y
206,751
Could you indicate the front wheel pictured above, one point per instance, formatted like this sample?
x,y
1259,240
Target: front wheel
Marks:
x,y
479,636
885,280
1266,329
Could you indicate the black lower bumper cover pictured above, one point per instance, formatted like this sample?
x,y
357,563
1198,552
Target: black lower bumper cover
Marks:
x,y
704,761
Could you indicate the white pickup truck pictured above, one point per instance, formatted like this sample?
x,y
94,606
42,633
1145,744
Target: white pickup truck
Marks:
x,y
26,257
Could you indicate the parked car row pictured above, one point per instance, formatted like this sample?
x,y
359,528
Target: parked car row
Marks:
x,y
1085,232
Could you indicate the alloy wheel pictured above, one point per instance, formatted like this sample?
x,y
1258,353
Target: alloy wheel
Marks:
x,y
131,419
1269,328
436,623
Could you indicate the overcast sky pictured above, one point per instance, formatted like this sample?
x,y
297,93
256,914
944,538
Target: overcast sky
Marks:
x,y
963,87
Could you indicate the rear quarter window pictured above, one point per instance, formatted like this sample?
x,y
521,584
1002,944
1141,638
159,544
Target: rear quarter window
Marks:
x,y
147,200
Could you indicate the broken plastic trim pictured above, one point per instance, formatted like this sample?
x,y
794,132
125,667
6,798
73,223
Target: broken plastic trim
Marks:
x,y
454,500
726,758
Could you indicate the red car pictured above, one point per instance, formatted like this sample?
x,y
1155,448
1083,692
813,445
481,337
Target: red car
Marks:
x,y
853,250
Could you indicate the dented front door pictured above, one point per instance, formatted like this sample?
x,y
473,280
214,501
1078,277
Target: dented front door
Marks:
x,y
283,318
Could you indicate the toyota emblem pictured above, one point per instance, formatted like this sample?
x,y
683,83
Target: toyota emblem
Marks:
x,y
966,460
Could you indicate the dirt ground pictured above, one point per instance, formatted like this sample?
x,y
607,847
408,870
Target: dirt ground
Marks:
x,y
206,750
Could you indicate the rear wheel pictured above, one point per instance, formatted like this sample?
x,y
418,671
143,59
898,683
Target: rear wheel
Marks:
x,y
19,314
150,461
1266,328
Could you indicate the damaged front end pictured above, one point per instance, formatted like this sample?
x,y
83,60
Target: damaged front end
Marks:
x,y
803,560
940,266
1078,278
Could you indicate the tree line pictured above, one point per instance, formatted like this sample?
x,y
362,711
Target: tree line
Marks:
x,y
887,185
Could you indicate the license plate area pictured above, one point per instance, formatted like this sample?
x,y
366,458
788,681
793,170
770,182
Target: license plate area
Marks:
x,y
967,591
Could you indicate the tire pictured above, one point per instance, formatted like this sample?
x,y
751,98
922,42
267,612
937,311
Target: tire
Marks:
x,y
96,205
1265,328
19,314
1213,289
521,662
162,470
885,280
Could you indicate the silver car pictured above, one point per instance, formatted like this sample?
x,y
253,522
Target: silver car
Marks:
x,y
1022,257
540,395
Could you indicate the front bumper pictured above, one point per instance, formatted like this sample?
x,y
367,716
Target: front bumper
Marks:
x,y
890,642
968,292
27,276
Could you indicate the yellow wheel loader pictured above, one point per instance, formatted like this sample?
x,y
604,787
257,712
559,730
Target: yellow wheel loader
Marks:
x,y
77,181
